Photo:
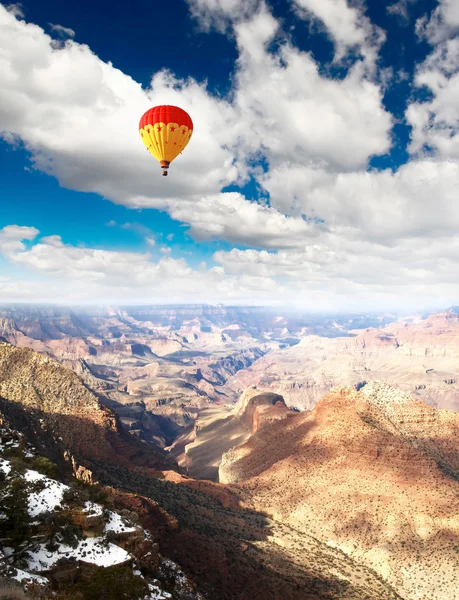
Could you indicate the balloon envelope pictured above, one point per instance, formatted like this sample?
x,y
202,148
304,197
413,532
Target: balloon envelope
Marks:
x,y
165,131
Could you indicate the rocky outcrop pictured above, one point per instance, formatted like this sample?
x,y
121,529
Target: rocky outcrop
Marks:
x,y
371,472
255,407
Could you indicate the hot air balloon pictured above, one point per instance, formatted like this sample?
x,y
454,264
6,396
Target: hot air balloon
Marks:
x,y
165,131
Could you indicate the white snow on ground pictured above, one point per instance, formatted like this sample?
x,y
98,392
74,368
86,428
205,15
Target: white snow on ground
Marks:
x,y
117,525
92,509
90,550
156,593
24,576
5,466
48,498
180,576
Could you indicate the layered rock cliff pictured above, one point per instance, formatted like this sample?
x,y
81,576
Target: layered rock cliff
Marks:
x,y
419,358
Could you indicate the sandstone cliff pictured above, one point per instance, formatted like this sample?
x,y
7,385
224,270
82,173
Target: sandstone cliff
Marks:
x,y
219,428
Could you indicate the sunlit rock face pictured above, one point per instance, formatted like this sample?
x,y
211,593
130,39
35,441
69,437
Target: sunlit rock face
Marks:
x,y
419,358
372,472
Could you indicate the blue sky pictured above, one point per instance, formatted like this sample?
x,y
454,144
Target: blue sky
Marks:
x,y
324,149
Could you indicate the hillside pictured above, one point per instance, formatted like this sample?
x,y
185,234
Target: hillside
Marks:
x,y
67,541
372,472
217,429
58,411
228,550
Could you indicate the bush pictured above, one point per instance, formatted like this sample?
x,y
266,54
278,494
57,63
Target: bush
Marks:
x,y
93,492
112,583
60,528
14,503
44,466
18,465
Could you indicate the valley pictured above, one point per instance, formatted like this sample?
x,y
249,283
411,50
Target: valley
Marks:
x,y
271,457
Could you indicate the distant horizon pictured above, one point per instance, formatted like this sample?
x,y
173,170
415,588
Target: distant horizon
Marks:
x,y
254,307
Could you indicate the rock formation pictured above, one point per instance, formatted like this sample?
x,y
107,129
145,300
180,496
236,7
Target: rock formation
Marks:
x,y
372,472
419,358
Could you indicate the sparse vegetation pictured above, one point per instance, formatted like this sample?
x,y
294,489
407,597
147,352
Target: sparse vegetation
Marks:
x,y
112,583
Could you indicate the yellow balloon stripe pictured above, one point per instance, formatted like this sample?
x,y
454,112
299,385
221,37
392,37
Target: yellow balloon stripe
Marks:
x,y
165,142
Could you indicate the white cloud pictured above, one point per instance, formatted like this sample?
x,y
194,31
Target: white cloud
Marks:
x,y
347,25
418,200
386,236
78,116
15,9
220,14
300,117
435,122
229,216
334,272
61,31
442,23
13,236
401,9
114,277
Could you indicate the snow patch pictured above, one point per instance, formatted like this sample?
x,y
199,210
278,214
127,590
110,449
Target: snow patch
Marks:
x,y
92,509
47,499
117,525
95,551
24,576
5,466
156,593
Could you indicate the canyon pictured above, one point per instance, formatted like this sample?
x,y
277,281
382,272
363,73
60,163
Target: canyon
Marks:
x,y
280,456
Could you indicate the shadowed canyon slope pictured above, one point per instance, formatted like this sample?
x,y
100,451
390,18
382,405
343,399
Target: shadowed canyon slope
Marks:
x,y
218,429
52,401
419,358
233,553
372,472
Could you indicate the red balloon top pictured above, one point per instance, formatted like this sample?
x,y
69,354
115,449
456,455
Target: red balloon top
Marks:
x,y
166,114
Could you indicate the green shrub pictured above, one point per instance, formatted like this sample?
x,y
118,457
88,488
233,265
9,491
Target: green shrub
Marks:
x,y
44,466
18,465
14,502
93,492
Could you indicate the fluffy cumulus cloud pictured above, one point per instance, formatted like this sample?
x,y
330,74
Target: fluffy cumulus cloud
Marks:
x,y
441,24
12,238
346,24
384,207
436,122
69,273
298,116
330,232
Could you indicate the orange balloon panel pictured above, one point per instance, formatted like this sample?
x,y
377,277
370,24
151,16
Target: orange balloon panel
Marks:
x,y
165,131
